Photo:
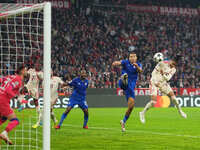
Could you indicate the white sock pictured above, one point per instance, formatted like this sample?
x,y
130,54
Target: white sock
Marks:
x,y
38,109
53,117
148,106
40,116
175,102
4,132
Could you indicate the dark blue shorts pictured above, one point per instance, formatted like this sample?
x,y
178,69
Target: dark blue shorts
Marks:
x,y
81,104
130,90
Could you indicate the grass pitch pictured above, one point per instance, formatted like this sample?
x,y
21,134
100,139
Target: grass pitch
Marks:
x,y
164,130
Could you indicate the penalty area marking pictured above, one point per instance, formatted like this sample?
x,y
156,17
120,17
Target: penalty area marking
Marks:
x,y
136,131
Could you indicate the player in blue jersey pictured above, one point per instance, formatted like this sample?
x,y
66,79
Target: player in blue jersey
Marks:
x,y
78,97
127,82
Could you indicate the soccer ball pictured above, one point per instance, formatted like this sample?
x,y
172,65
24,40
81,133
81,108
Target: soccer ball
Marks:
x,y
131,48
158,57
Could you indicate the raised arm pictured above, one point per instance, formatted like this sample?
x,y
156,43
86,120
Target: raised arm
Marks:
x,y
63,84
116,63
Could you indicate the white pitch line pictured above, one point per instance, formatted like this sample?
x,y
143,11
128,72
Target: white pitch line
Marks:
x,y
137,131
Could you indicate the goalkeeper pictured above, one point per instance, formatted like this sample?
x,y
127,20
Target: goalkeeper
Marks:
x,y
10,87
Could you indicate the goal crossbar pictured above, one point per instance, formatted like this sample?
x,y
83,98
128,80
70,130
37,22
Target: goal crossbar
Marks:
x,y
19,8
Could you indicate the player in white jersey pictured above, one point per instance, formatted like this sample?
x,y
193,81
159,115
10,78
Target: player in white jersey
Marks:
x,y
56,82
161,74
33,88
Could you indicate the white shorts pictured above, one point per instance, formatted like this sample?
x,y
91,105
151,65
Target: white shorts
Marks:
x,y
164,88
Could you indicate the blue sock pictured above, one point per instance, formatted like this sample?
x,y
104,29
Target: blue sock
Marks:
x,y
125,118
85,120
62,118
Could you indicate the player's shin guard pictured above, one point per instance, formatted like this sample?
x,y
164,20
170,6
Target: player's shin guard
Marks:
x,y
64,115
12,124
85,120
149,105
125,118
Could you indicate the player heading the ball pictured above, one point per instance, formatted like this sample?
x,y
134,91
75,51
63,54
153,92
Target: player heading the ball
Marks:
x,y
160,76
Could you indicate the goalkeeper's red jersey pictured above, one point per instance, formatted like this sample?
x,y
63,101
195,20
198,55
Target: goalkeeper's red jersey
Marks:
x,y
10,86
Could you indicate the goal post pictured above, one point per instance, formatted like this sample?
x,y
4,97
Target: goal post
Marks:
x,y
25,29
47,73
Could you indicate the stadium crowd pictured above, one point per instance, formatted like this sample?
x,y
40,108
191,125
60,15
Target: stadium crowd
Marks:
x,y
94,37
167,3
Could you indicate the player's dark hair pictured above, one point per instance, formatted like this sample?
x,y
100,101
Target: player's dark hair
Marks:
x,y
19,69
131,53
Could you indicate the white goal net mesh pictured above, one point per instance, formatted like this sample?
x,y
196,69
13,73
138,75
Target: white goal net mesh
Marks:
x,y
21,37
21,42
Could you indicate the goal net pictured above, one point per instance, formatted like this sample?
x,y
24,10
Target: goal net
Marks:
x,y
25,38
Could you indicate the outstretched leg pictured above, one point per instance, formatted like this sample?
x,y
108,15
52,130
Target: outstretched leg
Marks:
x,y
131,103
11,125
175,102
123,81
64,115
147,107
153,91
